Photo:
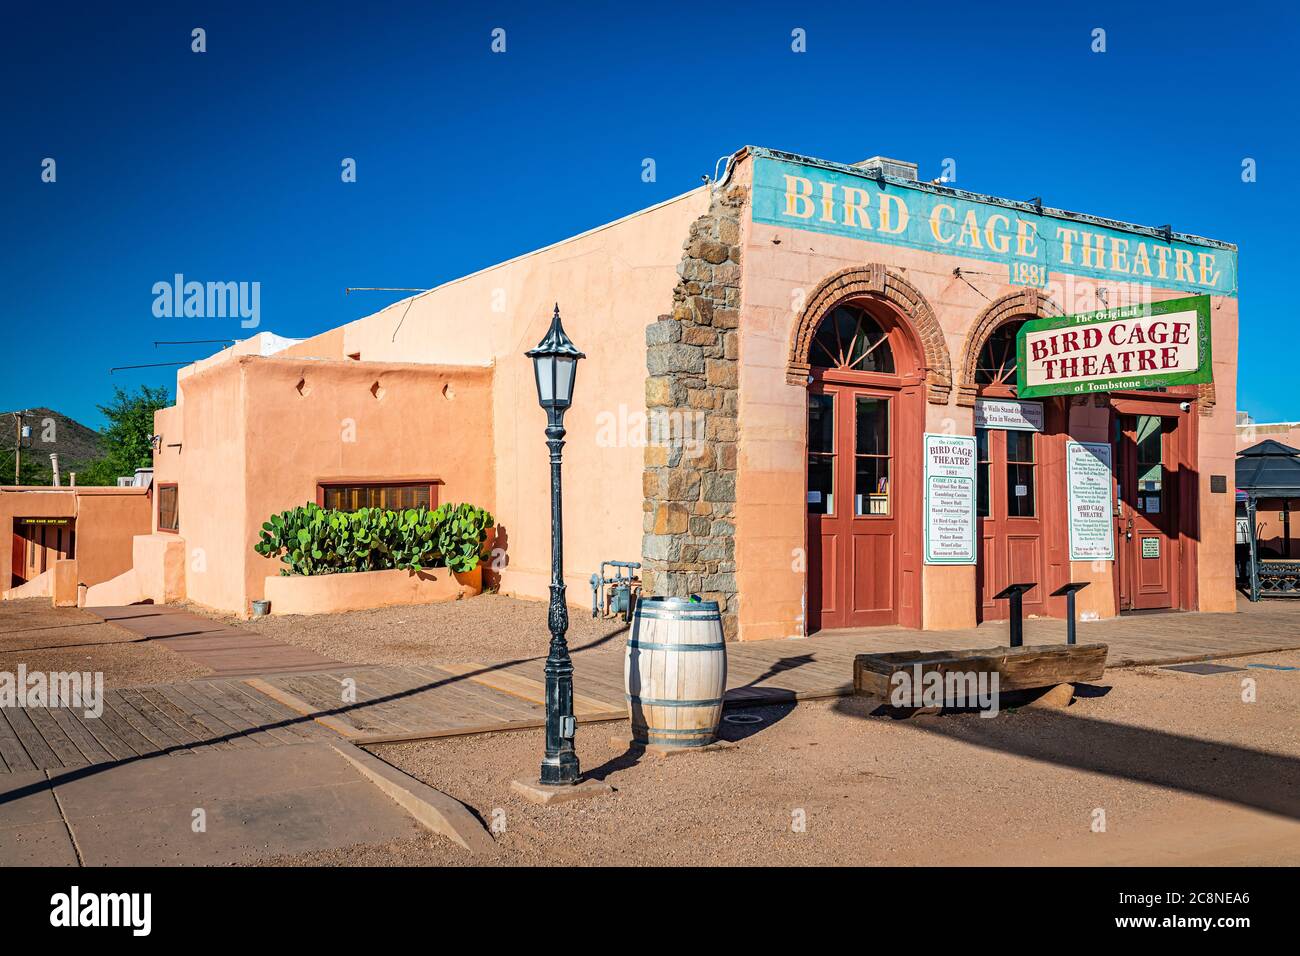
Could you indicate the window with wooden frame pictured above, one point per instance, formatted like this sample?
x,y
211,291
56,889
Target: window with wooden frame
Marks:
x,y
982,462
821,454
388,495
1021,466
169,512
871,471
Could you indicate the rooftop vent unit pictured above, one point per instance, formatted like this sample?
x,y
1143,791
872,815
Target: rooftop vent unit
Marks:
x,y
893,168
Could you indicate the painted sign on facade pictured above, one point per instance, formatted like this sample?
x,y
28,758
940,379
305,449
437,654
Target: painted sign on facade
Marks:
x,y
1008,415
842,201
1137,346
1090,494
949,499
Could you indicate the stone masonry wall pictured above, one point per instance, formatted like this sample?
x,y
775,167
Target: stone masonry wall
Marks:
x,y
691,400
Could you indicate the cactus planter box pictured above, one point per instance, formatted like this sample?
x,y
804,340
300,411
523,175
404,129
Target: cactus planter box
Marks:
x,y
331,593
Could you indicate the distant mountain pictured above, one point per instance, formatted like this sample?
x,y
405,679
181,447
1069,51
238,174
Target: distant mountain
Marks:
x,y
53,433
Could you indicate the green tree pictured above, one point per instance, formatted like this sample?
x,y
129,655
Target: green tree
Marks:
x,y
125,444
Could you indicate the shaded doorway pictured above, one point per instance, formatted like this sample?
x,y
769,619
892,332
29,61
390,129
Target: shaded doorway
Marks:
x,y
1148,553
38,543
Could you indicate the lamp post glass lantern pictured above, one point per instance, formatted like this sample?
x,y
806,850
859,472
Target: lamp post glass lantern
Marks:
x,y
555,363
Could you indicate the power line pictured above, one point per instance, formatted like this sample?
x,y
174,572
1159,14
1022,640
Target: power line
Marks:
x,y
196,342
378,288
122,368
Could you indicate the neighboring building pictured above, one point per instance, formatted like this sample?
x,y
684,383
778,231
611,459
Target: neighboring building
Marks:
x,y
1251,432
93,526
1277,532
764,357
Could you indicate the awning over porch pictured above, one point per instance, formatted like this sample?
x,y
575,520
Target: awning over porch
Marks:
x,y
1268,470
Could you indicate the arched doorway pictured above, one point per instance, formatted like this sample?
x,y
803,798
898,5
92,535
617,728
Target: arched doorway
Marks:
x,y
865,412
1016,480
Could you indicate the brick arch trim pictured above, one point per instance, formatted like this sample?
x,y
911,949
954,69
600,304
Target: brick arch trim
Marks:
x,y
1025,302
874,281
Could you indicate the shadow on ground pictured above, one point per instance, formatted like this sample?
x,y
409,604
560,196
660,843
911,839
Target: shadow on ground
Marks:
x,y
1258,779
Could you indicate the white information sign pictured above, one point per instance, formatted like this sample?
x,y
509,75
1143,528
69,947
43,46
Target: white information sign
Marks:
x,y
1008,414
949,499
1090,491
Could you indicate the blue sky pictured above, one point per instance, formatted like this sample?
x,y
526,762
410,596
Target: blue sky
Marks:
x,y
226,165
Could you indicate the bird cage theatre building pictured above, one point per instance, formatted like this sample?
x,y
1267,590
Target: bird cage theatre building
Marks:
x,y
826,395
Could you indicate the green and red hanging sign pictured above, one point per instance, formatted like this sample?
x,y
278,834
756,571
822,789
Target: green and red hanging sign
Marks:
x,y
1134,347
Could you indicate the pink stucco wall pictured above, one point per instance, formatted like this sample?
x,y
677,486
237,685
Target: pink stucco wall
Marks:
x,y
106,521
782,268
253,435
610,283
437,385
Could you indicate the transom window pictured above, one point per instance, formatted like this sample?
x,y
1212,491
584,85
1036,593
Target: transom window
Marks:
x,y
391,496
849,339
997,361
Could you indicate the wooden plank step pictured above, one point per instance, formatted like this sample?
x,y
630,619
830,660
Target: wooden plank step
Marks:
x,y
200,736
150,712
53,734
300,706
90,747
1018,668
11,749
37,749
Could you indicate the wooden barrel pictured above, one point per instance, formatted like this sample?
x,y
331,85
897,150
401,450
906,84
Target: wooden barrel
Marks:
x,y
675,672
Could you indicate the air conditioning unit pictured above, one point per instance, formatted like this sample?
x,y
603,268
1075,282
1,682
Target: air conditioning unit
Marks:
x,y
893,168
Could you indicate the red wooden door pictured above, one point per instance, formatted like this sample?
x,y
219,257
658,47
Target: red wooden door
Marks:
x,y
1009,506
16,568
1148,512
852,511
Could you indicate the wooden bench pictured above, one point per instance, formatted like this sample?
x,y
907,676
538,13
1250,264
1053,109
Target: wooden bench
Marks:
x,y
1017,668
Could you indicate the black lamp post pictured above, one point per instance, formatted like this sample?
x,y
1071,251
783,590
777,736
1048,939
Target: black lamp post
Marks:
x,y
555,362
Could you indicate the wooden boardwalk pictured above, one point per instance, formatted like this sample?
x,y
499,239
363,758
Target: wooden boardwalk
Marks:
x,y
412,703
228,651
370,704
220,714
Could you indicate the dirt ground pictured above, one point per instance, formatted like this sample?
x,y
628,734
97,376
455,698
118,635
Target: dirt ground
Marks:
x,y
489,627
49,638
1183,769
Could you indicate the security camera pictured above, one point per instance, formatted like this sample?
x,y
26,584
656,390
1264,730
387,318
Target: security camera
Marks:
x,y
1185,406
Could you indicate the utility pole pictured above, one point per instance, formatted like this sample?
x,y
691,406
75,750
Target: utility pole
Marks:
x,y
18,445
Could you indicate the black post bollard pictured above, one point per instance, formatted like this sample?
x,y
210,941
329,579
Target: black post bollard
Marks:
x,y
1017,620
1014,593
1068,591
